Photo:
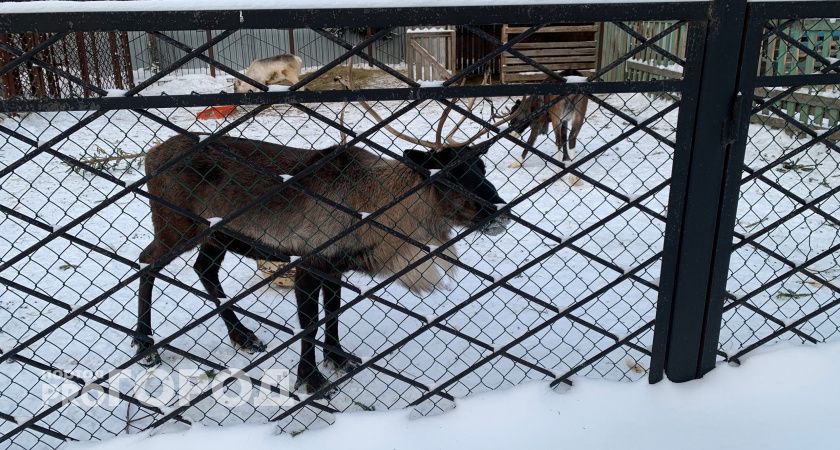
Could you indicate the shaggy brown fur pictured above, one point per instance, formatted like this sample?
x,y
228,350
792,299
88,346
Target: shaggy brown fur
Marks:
x,y
293,223
211,184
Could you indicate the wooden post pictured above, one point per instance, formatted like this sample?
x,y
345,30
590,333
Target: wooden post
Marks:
x,y
292,41
370,46
7,85
97,68
126,60
52,79
83,61
211,54
115,60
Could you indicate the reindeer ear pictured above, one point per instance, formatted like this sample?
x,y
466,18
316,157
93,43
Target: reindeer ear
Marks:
x,y
445,156
480,149
421,158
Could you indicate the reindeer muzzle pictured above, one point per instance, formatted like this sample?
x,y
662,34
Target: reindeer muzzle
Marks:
x,y
497,223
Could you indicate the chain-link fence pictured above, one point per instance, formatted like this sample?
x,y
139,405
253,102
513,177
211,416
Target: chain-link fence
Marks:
x,y
175,253
784,269
99,59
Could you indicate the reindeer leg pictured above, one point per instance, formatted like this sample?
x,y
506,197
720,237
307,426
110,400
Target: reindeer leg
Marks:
x,y
144,321
564,143
559,135
577,124
144,346
207,266
332,302
168,242
307,288
560,132
532,137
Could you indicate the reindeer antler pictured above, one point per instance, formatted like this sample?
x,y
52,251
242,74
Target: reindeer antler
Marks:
x,y
438,144
391,129
506,114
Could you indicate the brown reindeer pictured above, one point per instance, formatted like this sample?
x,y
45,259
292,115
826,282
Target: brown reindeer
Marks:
x,y
570,108
292,222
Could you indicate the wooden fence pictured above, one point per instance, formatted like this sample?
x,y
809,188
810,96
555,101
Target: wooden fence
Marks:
x,y
817,108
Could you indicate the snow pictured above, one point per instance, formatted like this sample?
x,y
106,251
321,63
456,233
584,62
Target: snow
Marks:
x,y
575,79
214,5
782,399
115,92
427,30
278,88
430,83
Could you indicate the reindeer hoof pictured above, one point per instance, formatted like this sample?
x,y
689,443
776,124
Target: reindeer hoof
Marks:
x,y
245,339
340,361
150,359
516,164
314,382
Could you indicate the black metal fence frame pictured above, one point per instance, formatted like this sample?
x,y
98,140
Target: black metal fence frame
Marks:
x,y
715,107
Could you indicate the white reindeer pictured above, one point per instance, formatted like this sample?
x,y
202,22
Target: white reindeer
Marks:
x,y
270,70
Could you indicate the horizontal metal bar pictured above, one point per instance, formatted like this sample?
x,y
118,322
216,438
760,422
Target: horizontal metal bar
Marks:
x,y
349,17
330,96
793,9
797,80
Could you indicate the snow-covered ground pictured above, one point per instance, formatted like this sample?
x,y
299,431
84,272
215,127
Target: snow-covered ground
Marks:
x,y
45,189
782,399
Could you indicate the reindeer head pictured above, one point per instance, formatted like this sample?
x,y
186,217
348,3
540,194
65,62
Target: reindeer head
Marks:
x,y
240,86
470,198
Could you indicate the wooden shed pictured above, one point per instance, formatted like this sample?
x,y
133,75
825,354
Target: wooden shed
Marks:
x,y
557,47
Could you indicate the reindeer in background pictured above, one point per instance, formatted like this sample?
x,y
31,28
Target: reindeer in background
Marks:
x,y
272,70
570,108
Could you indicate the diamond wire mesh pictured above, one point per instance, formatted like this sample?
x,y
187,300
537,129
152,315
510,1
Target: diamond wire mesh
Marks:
x,y
568,288
783,273
101,59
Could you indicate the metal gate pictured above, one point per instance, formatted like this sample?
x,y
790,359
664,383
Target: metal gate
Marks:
x,y
631,257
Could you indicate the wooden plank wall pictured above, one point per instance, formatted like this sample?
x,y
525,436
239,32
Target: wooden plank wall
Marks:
x,y
817,107
561,47
469,48
435,43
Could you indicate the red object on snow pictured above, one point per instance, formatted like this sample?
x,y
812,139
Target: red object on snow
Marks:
x,y
216,112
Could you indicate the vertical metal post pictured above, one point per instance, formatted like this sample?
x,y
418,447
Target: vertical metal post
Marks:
x,y
703,197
